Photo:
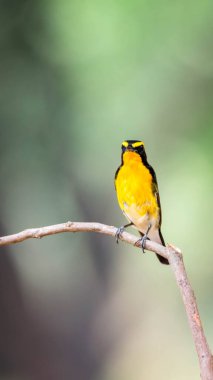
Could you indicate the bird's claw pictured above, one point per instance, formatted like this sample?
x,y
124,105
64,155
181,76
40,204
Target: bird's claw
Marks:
x,y
143,242
118,233
144,239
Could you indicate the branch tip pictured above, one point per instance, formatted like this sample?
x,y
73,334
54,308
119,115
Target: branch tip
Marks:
x,y
174,248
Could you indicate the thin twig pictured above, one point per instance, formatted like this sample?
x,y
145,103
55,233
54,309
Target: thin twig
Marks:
x,y
170,252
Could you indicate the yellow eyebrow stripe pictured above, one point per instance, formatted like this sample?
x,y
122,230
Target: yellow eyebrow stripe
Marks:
x,y
137,144
125,144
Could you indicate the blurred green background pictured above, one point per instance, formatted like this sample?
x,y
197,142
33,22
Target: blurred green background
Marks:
x,y
77,78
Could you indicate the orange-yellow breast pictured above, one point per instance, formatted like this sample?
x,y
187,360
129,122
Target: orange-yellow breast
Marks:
x,y
134,192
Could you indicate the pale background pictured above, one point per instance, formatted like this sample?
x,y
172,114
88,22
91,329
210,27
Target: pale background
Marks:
x,y
77,78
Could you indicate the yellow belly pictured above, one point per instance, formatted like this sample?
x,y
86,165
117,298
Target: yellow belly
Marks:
x,y
135,193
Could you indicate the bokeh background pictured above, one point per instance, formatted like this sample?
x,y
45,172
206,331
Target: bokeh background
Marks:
x,y
77,78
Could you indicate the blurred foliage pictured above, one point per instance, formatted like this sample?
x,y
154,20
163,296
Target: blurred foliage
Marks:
x,y
77,78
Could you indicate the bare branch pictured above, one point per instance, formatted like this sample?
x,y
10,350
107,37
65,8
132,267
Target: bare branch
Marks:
x,y
170,252
38,233
189,300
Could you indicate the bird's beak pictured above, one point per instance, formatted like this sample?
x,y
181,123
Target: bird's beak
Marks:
x,y
129,149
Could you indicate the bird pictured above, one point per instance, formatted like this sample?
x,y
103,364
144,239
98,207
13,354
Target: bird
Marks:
x,y
138,196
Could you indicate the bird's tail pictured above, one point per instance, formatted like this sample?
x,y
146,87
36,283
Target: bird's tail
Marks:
x,y
162,259
158,238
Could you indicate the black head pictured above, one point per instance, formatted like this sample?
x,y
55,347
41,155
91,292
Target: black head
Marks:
x,y
133,146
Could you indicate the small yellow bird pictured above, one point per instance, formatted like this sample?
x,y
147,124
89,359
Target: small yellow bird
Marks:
x,y
137,191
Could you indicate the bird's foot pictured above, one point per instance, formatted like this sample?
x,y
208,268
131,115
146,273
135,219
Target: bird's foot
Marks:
x,y
118,233
120,230
143,241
